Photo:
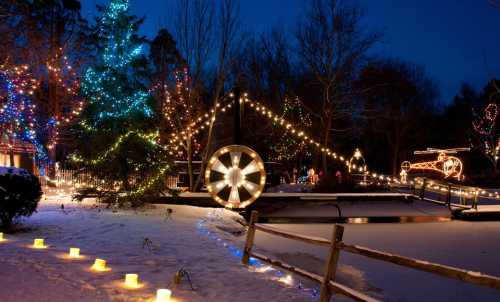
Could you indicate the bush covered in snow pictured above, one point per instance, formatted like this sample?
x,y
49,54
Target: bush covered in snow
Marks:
x,y
20,193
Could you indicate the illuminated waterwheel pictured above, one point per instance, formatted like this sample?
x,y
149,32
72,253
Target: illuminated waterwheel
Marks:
x,y
235,176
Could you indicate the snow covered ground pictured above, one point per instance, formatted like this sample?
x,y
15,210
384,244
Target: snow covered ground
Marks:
x,y
206,243
28,275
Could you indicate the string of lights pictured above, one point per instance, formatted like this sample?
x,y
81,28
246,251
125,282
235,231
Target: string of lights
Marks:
x,y
150,138
301,136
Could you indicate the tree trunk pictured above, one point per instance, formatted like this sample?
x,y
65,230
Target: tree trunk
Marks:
x,y
11,152
325,142
395,157
190,163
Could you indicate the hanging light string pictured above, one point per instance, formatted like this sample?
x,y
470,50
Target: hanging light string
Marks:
x,y
302,137
150,138
300,134
178,139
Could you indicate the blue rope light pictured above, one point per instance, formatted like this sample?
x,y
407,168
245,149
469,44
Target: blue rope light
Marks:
x,y
254,263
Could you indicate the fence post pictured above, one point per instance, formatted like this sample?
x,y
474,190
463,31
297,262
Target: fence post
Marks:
x,y
331,265
422,192
250,236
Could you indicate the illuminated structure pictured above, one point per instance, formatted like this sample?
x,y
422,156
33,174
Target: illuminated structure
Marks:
x,y
449,166
357,162
235,176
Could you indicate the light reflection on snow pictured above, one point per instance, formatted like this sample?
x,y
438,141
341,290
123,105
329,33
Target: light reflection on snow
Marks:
x,y
254,264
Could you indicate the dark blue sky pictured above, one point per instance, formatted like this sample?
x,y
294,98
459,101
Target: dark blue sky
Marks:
x,y
455,40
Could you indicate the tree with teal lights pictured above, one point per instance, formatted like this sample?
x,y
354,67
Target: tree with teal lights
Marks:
x,y
117,134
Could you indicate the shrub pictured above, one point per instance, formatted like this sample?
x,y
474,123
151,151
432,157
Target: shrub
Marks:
x,y
20,193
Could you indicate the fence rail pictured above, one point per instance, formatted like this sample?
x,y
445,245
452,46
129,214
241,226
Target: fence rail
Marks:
x,y
336,245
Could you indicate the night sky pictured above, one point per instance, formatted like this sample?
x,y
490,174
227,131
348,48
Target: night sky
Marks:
x,y
455,40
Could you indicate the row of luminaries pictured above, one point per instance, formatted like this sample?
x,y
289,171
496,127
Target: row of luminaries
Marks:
x,y
131,280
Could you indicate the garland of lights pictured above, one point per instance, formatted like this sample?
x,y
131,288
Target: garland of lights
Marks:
x,y
141,189
149,138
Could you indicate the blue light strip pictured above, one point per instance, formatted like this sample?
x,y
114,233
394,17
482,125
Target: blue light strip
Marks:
x,y
254,264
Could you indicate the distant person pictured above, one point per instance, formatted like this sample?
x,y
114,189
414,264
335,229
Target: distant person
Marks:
x,y
311,176
338,175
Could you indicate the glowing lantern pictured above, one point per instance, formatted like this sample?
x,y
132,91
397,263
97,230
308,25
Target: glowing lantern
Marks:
x,y
163,295
132,280
99,265
74,252
1,237
39,244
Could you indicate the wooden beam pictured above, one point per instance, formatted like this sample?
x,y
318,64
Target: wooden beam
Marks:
x,y
307,239
438,269
336,287
351,293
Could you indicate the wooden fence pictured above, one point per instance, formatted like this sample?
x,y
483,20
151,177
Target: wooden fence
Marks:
x,y
336,245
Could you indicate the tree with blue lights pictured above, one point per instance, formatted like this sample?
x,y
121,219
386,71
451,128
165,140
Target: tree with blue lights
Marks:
x,y
118,138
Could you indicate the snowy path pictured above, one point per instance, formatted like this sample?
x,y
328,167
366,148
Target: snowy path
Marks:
x,y
28,275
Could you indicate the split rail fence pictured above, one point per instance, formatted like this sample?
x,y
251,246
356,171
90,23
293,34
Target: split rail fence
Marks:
x,y
336,245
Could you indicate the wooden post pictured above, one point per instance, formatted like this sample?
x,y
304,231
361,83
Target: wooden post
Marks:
x,y
331,265
250,236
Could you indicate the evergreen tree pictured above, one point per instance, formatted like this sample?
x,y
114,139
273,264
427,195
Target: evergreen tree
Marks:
x,y
288,148
117,132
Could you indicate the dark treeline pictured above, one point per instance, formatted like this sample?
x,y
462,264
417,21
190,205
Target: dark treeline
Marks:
x,y
318,74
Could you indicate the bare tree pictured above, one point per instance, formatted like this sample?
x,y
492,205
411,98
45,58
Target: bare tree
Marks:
x,y
206,31
331,46
225,39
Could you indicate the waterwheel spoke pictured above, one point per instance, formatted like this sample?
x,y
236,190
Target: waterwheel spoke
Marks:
x,y
252,167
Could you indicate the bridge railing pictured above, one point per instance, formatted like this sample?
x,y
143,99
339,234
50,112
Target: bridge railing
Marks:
x,y
336,245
